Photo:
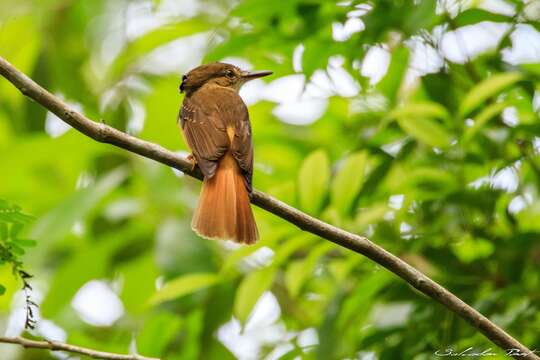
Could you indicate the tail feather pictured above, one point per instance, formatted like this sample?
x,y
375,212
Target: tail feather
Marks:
x,y
224,211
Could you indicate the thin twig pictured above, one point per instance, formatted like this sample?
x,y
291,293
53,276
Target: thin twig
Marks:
x,y
106,134
59,346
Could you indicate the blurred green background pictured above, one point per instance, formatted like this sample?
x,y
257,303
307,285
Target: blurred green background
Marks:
x,y
415,123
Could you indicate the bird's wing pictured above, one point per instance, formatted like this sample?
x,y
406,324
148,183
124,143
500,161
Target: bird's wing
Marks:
x,y
204,133
205,119
242,144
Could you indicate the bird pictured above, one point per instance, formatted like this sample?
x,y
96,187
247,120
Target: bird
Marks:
x,y
215,125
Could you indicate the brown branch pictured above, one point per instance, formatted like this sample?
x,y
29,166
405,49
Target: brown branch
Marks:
x,y
59,346
359,244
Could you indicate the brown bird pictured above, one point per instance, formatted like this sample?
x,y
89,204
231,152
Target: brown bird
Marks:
x,y
215,124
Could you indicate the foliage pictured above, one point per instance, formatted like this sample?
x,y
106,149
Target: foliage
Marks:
x,y
12,248
426,164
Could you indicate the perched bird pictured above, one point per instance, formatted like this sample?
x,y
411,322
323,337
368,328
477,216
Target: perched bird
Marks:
x,y
215,124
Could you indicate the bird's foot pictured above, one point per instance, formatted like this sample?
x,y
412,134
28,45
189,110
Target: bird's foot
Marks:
x,y
193,161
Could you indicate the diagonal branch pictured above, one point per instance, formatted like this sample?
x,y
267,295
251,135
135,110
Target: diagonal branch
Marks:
x,y
359,244
59,346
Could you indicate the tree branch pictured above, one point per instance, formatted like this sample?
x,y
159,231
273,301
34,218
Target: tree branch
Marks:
x,y
59,346
359,244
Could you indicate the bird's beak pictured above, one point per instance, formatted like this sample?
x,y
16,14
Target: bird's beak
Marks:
x,y
250,75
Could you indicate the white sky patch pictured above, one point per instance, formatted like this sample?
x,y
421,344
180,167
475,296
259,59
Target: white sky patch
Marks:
x,y
519,203
396,201
15,322
467,42
251,91
303,112
284,89
525,46
111,28
343,83
394,147
536,102
242,63
97,304
506,179
424,58
261,328
140,19
184,53
389,315
50,331
359,10
452,7
510,116
375,64
297,57
17,317
54,126
343,32
498,7
319,85
405,228
294,106
536,144
177,8
260,258
137,115
307,338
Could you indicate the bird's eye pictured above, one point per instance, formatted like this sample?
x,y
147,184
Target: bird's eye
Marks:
x,y
229,74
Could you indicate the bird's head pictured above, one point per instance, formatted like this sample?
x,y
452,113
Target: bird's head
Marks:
x,y
219,74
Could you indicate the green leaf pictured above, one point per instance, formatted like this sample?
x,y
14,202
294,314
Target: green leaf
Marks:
x,y
87,262
427,109
250,290
371,215
59,221
391,82
22,54
428,181
362,298
426,131
25,242
533,68
348,181
139,279
487,89
285,250
2,289
183,285
474,16
158,331
313,181
300,271
481,119
469,249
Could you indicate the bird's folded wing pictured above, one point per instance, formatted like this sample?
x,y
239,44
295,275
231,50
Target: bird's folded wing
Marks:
x,y
205,118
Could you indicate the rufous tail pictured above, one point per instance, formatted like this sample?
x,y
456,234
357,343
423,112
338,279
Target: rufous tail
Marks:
x,y
224,211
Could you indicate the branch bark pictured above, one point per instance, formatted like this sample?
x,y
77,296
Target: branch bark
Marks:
x,y
59,346
359,244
